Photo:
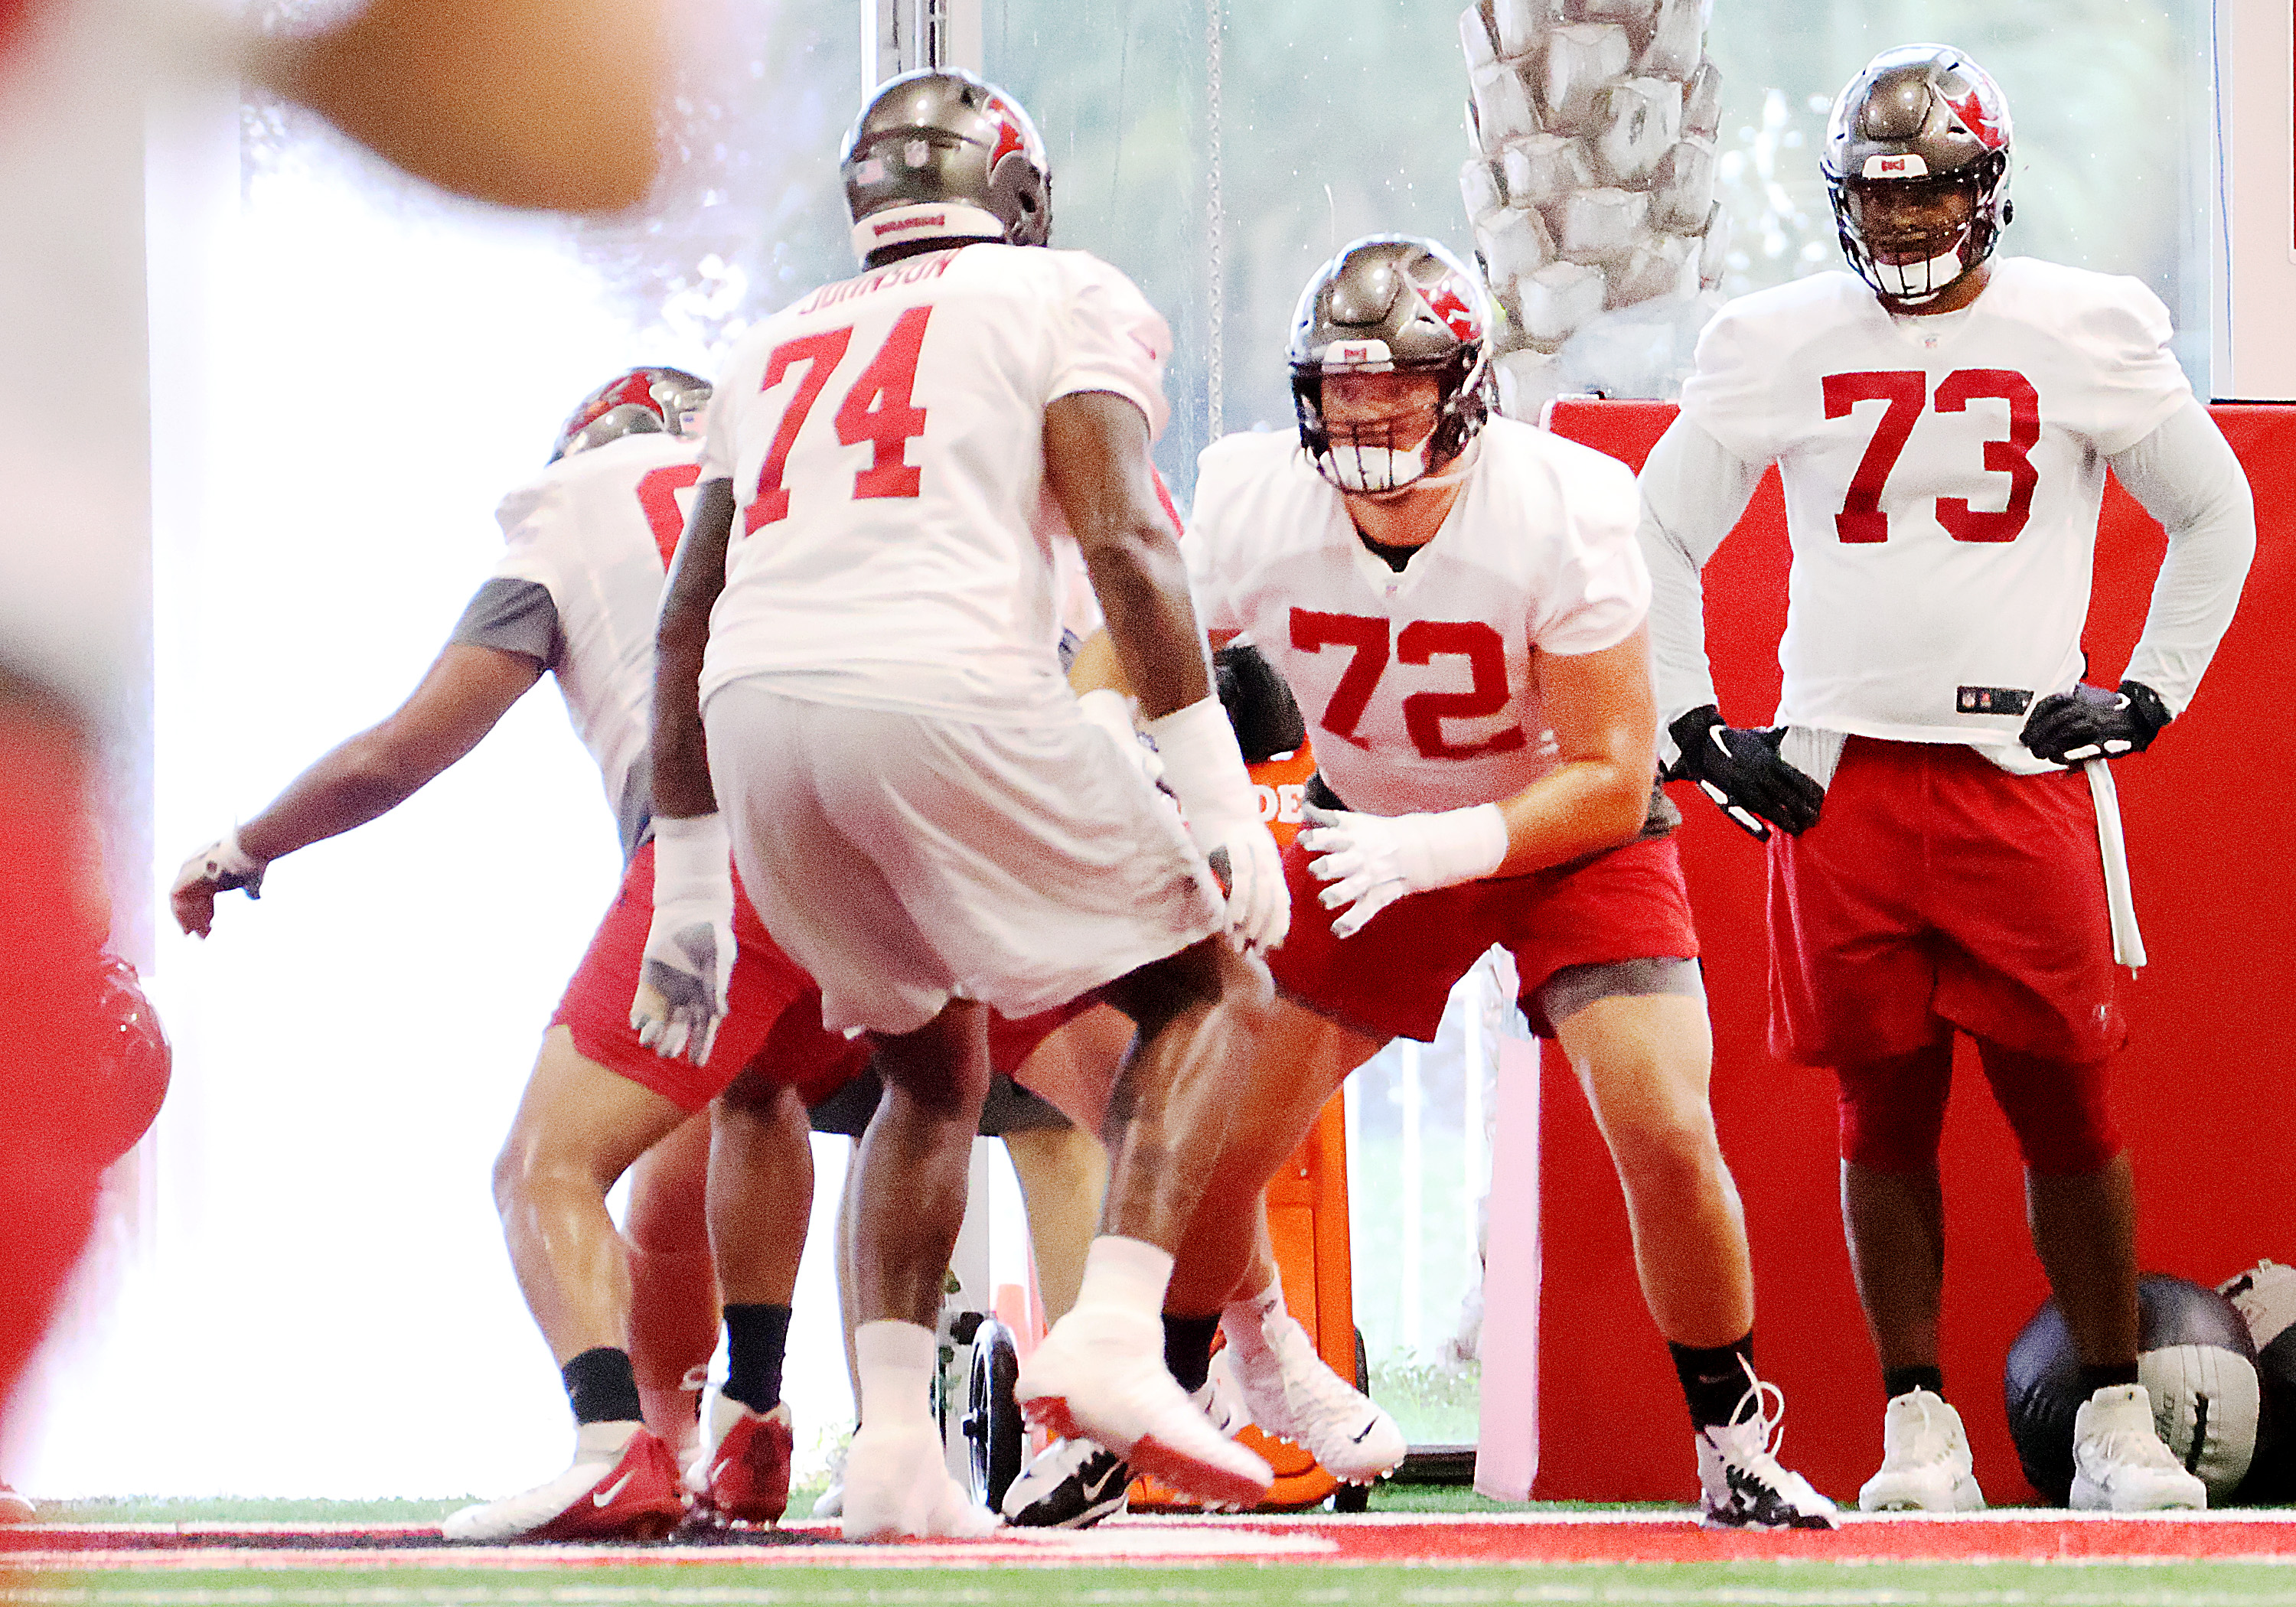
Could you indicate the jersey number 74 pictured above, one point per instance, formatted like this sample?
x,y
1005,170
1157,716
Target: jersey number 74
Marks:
x,y
877,408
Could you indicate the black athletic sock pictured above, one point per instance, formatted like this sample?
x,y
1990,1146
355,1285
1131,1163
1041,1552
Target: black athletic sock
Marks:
x,y
2093,1379
1188,1349
1714,1379
1905,1381
756,1339
602,1387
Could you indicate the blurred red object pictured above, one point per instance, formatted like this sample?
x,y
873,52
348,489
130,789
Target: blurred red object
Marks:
x,y
55,1125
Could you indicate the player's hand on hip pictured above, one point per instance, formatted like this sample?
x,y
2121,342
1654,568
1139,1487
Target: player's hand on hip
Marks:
x,y
1203,768
689,950
1741,772
1372,860
220,867
2088,722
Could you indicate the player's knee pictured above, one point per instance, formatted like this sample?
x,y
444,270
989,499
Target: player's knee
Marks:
x,y
2060,1111
1892,1111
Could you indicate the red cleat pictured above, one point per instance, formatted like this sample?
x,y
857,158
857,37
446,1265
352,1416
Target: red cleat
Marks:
x,y
605,1495
742,1474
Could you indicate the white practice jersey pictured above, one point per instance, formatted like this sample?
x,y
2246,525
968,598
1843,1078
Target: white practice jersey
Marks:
x,y
595,532
1943,477
1418,687
893,538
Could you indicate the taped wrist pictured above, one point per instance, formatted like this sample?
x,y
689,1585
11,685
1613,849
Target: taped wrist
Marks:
x,y
234,861
1457,844
1202,763
691,859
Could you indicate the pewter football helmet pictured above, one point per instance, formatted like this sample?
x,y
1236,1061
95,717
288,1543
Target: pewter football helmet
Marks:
x,y
940,155
1391,304
643,401
1918,115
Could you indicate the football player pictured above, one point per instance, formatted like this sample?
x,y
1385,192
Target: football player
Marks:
x,y
1457,603
1943,418
576,594
861,606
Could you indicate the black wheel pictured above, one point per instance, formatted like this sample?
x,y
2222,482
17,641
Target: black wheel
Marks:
x,y
996,1438
1356,1497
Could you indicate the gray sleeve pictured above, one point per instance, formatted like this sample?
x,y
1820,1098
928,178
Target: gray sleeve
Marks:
x,y
1693,490
2186,476
512,616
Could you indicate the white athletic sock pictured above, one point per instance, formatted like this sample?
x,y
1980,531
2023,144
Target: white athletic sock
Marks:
x,y
895,1360
602,1441
1245,1321
1127,1273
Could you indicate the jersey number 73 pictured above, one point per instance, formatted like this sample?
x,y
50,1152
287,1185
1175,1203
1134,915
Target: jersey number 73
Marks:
x,y
877,408
1861,519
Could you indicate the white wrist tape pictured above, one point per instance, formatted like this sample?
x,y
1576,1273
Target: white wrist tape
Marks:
x,y
1459,845
1202,763
693,858
229,856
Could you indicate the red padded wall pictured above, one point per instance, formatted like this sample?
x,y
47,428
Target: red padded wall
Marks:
x,y
2202,1090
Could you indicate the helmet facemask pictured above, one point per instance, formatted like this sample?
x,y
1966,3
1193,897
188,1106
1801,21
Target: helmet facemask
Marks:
x,y
1403,446
1911,266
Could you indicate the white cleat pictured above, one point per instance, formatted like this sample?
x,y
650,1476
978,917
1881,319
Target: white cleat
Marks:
x,y
1099,1375
1925,1461
2120,1464
1289,1390
1069,1484
1741,1483
623,1485
1074,1483
897,1487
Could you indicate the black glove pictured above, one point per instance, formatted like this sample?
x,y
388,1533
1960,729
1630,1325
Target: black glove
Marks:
x,y
1741,772
2088,722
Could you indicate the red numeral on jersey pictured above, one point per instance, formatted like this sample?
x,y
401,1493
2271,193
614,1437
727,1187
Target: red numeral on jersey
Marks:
x,y
820,354
1861,518
2008,458
878,409
1423,641
1420,641
1312,632
657,496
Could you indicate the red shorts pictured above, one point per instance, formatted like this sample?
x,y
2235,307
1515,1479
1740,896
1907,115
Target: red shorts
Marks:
x,y
771,1005
1938,890
1392,978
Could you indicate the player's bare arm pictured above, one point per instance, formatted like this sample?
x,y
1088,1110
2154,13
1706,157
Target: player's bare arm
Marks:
x,y
1600,708
1097,467
697,574
1096,463
689,953
465,691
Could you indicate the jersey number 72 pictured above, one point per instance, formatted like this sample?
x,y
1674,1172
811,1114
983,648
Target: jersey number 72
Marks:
x,y
877,408
1420,642
1861,518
